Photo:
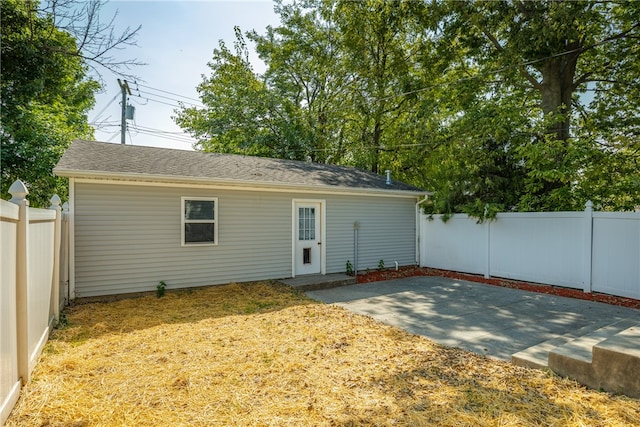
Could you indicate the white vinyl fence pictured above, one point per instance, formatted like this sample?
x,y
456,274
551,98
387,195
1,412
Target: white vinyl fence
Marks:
x,y
30,293
592,251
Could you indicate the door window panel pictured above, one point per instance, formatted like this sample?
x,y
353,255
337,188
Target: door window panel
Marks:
x,y
306,223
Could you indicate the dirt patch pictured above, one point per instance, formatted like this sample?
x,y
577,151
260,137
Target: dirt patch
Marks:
x,y
410,271
263,354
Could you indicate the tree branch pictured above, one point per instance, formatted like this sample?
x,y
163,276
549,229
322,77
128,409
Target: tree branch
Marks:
x,y
521,68
620,35
95,40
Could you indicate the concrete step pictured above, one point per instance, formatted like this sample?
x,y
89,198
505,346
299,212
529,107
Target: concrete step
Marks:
x,y
591,359
616,363
581,347
537,356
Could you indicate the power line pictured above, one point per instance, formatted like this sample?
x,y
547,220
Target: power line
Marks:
x,y
113,136
150,96
168,137
140,92
176,136
173,138
95,119
178,133
138,129
158,101
105,125
167,92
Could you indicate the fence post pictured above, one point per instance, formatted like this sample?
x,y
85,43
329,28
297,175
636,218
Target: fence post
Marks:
x,y
55,277
19,193
487,268
588,245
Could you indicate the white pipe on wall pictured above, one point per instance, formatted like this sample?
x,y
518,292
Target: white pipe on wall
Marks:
x,y
355,247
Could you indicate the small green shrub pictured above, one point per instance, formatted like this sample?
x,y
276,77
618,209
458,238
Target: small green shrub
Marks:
x,y
349,268
160,289
63,321
381,265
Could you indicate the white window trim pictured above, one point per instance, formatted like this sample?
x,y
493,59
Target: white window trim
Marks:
x,y
183,221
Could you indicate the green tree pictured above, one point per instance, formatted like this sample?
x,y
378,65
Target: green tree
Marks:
x,y
553,52
241,114
45,99
289,111
333,90
304,66
494,105
382,43
46,91
473,163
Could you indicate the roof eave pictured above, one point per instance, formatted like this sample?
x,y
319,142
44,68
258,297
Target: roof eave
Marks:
x,y
169,179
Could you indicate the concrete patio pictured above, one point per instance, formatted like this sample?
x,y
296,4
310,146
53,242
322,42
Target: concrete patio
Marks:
x,y
502,323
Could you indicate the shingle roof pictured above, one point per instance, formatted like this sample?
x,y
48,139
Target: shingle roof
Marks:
x,y
100,159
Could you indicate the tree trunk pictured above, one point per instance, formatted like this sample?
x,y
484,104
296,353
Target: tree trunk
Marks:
x,y
557,91
375,157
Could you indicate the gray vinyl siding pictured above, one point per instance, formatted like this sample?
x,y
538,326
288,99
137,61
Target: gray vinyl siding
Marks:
x,y
387,231
127,237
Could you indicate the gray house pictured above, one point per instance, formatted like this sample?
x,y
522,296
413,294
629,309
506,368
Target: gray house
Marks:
x,y
140,215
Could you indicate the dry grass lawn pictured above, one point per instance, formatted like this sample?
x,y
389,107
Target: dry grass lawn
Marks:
x,y
263,355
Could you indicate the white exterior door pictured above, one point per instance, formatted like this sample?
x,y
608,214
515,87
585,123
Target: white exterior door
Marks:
x,y
307,238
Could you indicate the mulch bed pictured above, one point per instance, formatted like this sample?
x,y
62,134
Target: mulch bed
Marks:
x,y
410,271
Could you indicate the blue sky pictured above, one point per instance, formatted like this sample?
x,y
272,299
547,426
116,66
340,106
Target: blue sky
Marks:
x,y
176,42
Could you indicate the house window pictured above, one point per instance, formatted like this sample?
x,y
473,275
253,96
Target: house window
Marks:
x,y
199,221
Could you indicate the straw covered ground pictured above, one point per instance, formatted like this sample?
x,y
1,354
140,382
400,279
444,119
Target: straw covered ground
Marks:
x,y
262,354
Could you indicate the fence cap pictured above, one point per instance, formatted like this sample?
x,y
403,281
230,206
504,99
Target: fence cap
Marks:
x,y
19,191
55,201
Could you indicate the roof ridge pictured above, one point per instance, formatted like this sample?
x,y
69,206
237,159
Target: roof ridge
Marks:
x,y
230,155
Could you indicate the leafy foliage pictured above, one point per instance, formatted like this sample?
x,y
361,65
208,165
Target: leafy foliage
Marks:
x,y
320,98
493,105
45,98
46,90
566,61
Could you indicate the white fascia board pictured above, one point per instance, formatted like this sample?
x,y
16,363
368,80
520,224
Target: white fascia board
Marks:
x,y
181,181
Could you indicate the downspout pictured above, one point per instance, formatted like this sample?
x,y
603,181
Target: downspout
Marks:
x,y
426,197
355,247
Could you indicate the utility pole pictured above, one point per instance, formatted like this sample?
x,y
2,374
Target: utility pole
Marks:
x,y
124,88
